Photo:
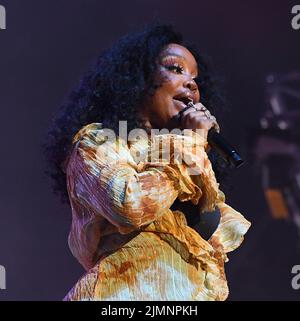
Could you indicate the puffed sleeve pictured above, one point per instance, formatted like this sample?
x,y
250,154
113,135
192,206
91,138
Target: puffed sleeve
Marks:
x,y
231,230
105,177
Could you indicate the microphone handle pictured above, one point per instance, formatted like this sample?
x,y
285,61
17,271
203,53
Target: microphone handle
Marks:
x,y
219,143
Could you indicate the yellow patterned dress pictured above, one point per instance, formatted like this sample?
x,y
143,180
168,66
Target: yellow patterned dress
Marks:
x,y
131,244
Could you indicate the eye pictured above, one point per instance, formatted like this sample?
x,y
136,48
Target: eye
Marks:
x,y
175,67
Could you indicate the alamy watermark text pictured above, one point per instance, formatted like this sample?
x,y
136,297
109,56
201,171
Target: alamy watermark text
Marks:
x,y
296,18
2,18
296,278
2,278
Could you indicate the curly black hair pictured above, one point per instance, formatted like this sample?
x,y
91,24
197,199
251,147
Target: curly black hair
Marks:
x,y
112,90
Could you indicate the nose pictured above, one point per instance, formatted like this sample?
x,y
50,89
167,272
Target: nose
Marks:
x,y
190,84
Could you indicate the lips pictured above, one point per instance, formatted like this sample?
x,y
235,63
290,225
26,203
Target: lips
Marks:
x,y
179,103
184,98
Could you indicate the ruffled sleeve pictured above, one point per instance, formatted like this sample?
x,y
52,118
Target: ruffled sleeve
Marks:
x,y
106,177
231,230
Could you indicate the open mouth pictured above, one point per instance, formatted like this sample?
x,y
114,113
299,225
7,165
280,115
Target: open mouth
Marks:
x,y
183,101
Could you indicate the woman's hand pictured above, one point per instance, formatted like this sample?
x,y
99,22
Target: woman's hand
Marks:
x,y
198,117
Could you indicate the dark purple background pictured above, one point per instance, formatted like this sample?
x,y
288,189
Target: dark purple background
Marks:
x,y
43,52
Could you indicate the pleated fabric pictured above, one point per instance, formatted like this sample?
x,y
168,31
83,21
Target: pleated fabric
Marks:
x,y
131,244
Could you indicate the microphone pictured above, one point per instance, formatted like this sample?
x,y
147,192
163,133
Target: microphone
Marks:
x,y
220,144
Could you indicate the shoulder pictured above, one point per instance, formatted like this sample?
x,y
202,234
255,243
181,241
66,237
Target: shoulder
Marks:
x,y
85,152
92,131
93,143
94,136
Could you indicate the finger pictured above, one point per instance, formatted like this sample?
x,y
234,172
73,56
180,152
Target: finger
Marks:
x,y
187,111
193,118
208,114
216,126
195,113
190,118
183,112
200,106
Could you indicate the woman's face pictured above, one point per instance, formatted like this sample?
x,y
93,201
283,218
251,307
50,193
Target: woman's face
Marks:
x,y
177,69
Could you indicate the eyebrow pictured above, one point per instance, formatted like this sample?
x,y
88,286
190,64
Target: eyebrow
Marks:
x,y
173,55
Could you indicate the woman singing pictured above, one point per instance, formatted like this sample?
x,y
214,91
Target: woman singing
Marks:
x,y
136,219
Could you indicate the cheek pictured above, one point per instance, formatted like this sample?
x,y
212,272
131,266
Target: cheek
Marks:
x,y
198,96
165,91
161,107
159,102
168,81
